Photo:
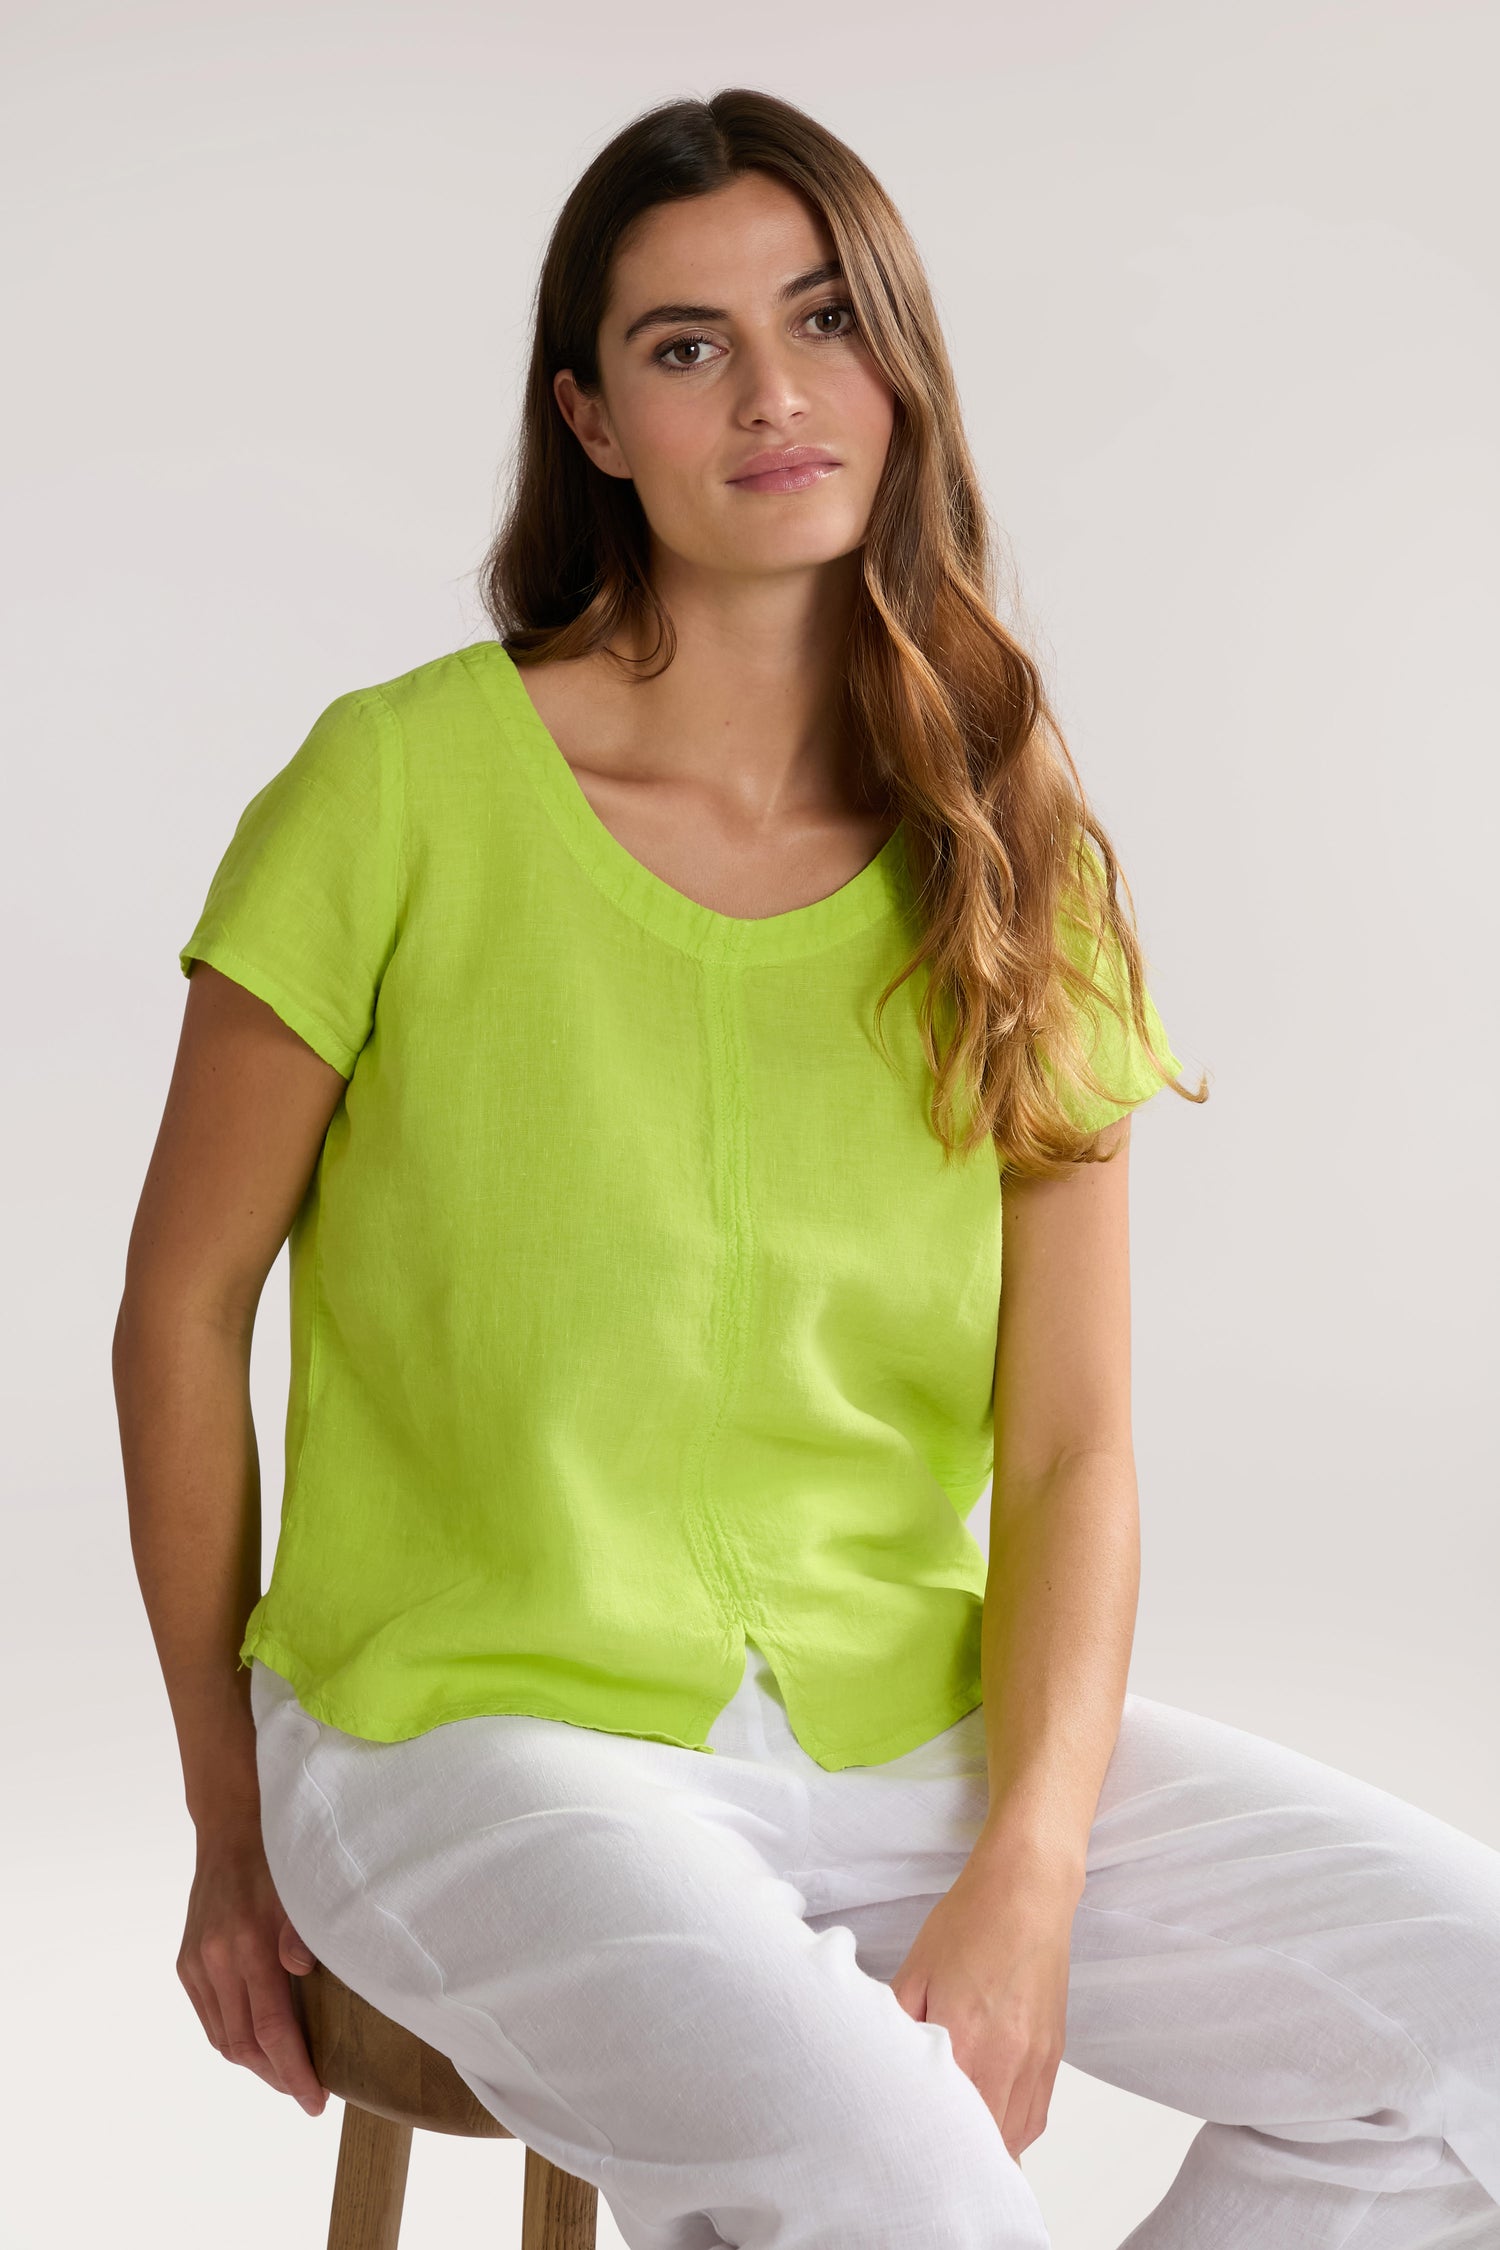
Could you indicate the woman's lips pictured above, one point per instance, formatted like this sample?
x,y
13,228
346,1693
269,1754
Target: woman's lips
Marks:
x,y
785,480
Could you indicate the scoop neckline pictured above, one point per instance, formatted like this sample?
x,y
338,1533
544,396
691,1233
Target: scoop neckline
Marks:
x,y
869,896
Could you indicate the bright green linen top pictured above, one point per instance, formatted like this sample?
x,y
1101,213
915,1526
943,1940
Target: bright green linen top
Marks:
x,y
634,1312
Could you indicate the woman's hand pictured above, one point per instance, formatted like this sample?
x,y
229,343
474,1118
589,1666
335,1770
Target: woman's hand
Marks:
x,y
991,1964
237,1951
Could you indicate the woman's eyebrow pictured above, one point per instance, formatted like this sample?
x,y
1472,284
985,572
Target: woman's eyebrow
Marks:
x,y
661,316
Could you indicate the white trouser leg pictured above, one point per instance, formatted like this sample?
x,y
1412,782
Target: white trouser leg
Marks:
x,y
667,1972
1303,1960
1316,1968
594,1928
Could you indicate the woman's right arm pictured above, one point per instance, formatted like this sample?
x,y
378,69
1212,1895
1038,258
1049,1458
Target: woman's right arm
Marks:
x,y
245,1115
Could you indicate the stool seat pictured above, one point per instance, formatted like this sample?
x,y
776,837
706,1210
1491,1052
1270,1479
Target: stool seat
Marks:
x,y
361,2056
392,2083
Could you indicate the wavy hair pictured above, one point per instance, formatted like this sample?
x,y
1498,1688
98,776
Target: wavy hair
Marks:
x,y
1018,886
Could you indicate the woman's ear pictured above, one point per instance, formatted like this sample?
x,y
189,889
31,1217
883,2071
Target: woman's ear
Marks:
x,y
587,417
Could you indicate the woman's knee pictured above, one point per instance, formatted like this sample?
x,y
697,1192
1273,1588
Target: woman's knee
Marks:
x,y
926,2176
880,2164
896,2130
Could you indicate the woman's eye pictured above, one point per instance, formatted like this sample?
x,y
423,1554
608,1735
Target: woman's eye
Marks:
x,y
697,343
681,344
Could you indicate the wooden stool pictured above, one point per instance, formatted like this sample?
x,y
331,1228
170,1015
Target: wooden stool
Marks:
x,y
390,2081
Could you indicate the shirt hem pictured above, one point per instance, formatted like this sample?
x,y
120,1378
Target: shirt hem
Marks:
x,y
832,1758
279,1659
908,1737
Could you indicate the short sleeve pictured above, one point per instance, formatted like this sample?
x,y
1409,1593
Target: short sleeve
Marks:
x,y
1114,1049
302,907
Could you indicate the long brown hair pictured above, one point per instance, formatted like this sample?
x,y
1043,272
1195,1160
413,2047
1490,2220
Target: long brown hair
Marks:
x,y
1016,910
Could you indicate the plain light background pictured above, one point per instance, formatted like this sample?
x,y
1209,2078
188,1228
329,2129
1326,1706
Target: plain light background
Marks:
x,y
1221,288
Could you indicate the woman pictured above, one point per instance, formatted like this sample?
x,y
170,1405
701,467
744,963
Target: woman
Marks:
x,y
641,1024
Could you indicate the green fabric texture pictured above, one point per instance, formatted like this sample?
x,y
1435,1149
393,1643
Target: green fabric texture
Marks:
x,y
634,1312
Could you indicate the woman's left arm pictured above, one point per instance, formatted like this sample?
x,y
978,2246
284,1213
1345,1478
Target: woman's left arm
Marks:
x,y
991,1960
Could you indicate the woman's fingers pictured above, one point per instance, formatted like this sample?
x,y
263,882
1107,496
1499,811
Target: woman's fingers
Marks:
x,y
261,2030
238,1953
296,1954
226,1964
279,2037
1029,2103
205,2001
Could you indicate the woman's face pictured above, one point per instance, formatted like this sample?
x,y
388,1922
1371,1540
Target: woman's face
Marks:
x,y
715,347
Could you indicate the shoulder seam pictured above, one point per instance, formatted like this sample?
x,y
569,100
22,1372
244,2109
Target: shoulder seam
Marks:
x,y
393,723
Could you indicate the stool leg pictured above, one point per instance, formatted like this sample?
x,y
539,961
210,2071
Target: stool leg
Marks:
x,y
559,2211
370,2186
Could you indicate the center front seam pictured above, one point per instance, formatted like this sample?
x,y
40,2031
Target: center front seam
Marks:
x,y
724,1060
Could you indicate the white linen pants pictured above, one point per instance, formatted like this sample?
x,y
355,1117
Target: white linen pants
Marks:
x,y
669,1973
